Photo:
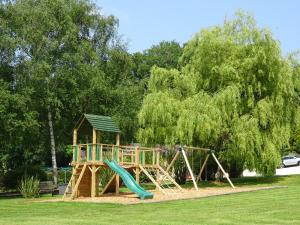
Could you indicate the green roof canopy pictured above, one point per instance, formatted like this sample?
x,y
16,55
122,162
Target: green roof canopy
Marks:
x,y
101,123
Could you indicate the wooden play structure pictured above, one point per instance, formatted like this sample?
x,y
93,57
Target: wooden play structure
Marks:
x,y
127,162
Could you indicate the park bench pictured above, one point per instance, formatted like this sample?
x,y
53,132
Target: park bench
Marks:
x,y
47,187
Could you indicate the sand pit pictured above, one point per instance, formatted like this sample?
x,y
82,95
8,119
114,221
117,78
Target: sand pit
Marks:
x,y
131,198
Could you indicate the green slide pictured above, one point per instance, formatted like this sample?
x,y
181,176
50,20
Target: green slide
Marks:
x,y
129,180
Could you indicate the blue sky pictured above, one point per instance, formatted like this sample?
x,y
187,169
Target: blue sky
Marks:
x,y
144,23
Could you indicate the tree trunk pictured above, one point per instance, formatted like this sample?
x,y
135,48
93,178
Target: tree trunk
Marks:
x,y
52,143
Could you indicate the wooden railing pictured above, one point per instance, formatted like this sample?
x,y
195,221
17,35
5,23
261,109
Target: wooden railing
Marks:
x,y
125,155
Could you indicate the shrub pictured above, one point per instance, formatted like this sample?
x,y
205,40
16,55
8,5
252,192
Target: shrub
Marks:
x,y
11,178
180,170
105,176
64,176
29,187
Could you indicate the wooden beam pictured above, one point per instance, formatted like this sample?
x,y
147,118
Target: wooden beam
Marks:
x,y
108,184
79,125
94,185
152,179
189,169
94,144
93,188
157,165
170,178
202,168
137,163
173,161
225,174
137,156
137,175
98,137
118,148
74,191
117,184
74,144
71,181
118,139
75,137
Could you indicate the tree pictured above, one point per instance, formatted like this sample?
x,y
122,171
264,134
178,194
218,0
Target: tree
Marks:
x,y
18,124
165,54
60,47
234,93
295,136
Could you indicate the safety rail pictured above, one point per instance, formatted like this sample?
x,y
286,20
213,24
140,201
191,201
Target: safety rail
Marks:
x,y
125,155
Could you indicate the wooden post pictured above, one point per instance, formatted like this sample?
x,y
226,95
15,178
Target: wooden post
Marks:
x,y
79,153
75,143
157,165
93,188
98,137
118,146
189,168
74,149
75,137
117,176
202,168
225,174
173,161
118,139
137,168
94,145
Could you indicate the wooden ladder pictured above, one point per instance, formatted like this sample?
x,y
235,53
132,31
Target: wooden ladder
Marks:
x,y
76,174
166,178
163,179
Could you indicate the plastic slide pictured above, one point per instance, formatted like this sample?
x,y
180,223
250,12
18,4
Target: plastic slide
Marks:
x,y
129,180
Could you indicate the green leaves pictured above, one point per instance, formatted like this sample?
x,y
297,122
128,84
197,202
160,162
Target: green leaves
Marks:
x,y
234,92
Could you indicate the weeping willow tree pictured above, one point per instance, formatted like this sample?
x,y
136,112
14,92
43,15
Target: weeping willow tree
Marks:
x,y
234,92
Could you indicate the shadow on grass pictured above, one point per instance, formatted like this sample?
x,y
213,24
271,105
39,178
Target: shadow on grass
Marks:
x,y
239,182
44,196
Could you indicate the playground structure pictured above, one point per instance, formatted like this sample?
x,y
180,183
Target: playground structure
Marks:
x,y
126,162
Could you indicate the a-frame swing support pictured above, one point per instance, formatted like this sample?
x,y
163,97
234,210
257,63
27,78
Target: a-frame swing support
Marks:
x,y
189,168
210,152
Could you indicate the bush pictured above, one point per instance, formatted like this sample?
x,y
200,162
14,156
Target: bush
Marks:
x,y
64,176
180,170
29,187
105,176
11,178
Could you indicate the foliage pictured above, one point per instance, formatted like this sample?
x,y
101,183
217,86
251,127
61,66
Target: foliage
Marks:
x,y
12,178
64,57
29,187
180,171
165,54
64,176
18,123
105,176
234,93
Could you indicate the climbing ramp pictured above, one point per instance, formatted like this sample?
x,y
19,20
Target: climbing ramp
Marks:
x,y
161,179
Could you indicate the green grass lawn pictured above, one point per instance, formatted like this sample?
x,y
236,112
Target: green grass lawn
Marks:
x,y
277,206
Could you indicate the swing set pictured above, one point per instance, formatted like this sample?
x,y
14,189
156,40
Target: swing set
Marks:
x,y
182,151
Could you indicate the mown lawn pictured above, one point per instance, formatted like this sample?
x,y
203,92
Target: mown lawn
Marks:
x,y
277,206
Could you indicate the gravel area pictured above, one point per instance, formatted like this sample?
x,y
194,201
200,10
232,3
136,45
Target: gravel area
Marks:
x,y
131,198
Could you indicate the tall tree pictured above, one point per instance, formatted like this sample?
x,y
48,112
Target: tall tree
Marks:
x,y
60,48
234,93
165,54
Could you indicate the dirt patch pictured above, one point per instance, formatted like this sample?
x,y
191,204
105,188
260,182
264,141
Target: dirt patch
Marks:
x,y
170,195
